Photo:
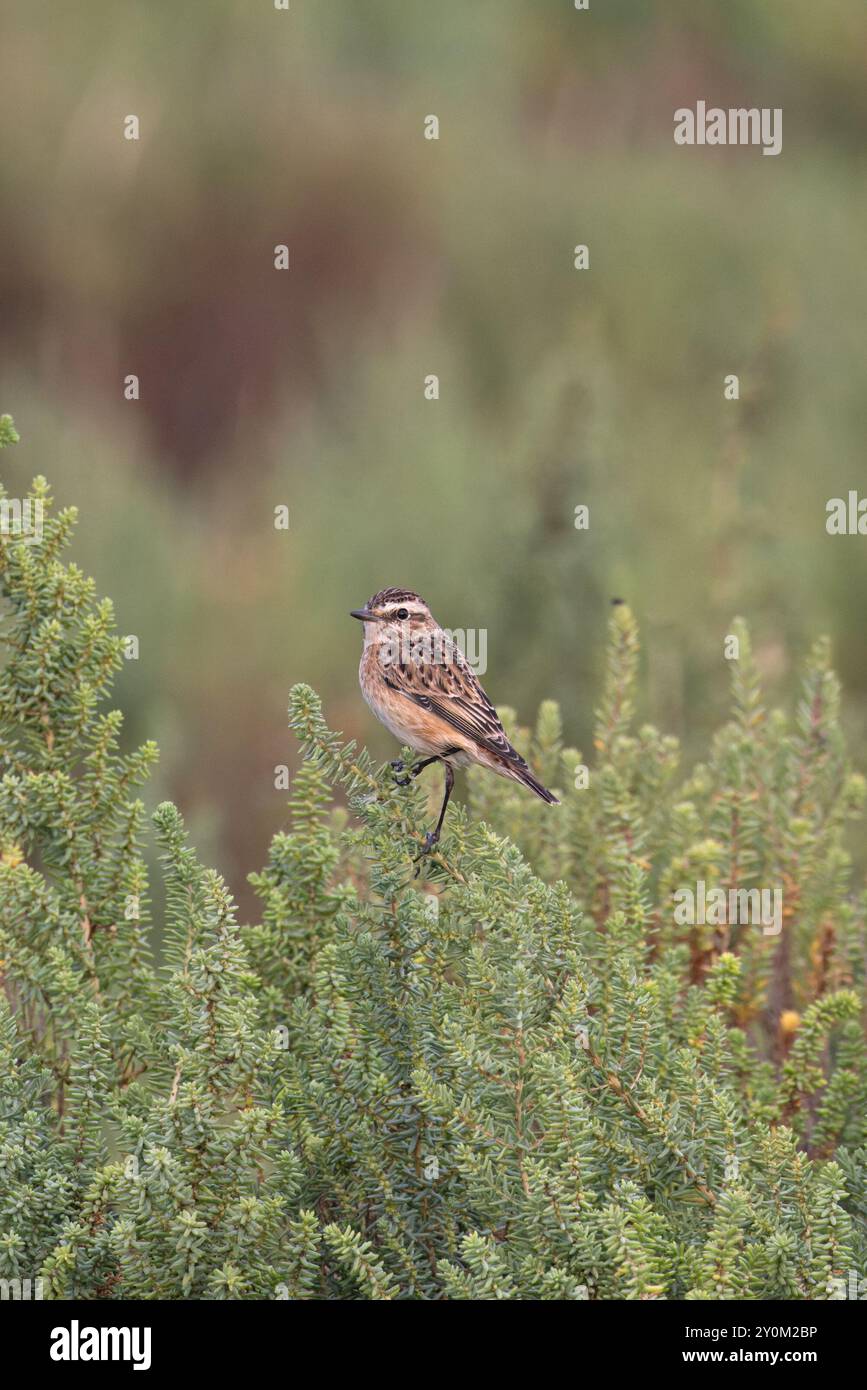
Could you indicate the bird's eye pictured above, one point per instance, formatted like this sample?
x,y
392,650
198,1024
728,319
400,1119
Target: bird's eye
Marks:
x,y
402,613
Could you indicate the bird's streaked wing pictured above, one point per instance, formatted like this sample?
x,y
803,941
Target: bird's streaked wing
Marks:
x,y
450,689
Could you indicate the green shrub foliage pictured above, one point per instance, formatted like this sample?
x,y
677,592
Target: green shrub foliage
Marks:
x,y
513,1075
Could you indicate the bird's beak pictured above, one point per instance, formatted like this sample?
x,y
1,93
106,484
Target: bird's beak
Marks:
x,y
365,615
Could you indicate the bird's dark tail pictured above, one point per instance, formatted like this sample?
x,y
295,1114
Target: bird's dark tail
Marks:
x,y
523,774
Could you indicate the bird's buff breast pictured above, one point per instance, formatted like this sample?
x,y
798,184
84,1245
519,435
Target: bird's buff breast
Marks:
x,y
410,725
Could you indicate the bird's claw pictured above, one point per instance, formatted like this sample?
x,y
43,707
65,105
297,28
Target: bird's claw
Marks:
x,y
398,765
430,839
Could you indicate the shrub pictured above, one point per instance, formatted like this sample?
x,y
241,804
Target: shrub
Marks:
x,y
517,1075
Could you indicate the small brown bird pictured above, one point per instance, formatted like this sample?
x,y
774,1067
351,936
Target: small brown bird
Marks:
x,y
419,684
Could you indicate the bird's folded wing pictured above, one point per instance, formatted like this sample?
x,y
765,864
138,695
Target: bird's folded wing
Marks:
x,y
451,691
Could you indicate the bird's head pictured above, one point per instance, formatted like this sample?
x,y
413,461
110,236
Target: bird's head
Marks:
x,y
395,616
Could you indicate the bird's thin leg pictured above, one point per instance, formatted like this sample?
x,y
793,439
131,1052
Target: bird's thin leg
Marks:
x,y
450,782
419,767
432,836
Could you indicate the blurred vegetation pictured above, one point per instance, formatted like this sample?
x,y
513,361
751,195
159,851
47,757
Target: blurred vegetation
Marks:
x,y
411,257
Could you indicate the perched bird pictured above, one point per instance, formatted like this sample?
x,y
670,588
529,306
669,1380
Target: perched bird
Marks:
x,y
420,685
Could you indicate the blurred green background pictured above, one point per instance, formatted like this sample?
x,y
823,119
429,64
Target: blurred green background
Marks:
x,y
455,257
